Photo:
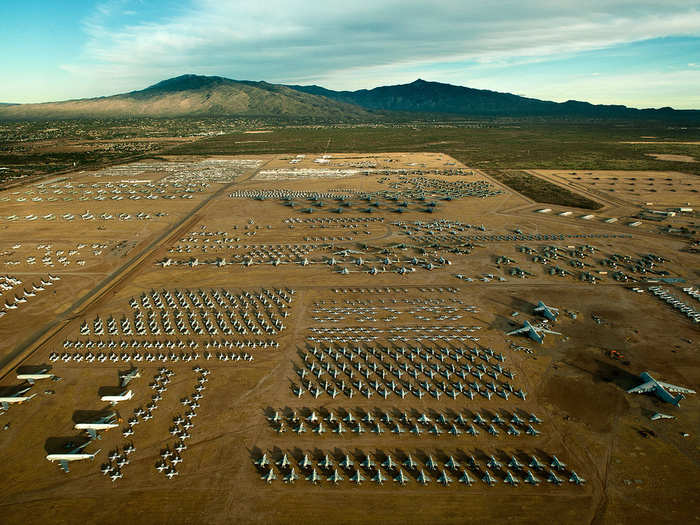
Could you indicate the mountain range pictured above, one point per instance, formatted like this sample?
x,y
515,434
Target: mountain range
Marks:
x,y
205,96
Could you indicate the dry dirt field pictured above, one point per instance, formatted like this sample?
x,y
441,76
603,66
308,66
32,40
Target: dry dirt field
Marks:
x,y
334,311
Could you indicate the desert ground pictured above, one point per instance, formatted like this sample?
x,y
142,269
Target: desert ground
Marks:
x,y
337,307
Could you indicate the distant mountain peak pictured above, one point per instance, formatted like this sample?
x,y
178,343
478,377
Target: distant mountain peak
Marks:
x,y
187,82
200,95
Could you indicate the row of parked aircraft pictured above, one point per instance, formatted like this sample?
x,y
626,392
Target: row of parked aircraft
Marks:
x,y
394,470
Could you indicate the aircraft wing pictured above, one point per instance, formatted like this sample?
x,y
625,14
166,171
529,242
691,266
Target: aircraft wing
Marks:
x,y
549,331
644,387
519,330
92,432
675,388
64,465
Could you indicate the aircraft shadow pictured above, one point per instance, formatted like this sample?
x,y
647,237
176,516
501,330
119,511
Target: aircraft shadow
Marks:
x,y
609,372
63,444
7,391
110,391
82,416
33,369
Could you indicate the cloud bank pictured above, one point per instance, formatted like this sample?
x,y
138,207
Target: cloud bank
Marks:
x,y
351,45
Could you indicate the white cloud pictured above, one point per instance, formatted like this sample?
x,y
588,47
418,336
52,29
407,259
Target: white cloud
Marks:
x,y
350,45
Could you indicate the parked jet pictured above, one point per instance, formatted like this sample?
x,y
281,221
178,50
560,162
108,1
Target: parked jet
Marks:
x,y
546,311
335,477
557,464
444,478
74,455
368,463
531,478
17,397
269,477
430,463
291,477
466,479
284,462
510,479
314,477
326,462
35,376
103,423
536,333
113,400
514,463
389,463
576,479
660,389
357,477
379,478
401,478
452,464
489,479
126,377
423,479
263,461
552,478
305,462
409,463
346,462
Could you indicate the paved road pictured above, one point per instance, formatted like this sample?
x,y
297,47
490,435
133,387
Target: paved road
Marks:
x,y
27,347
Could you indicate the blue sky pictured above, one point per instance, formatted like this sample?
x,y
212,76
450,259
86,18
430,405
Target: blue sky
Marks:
x,y
640,53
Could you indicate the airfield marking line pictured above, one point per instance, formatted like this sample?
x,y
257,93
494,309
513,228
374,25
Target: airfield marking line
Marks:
x,y
35,341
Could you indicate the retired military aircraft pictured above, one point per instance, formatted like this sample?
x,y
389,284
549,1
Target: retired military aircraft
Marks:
x,y
536,333
660,389
546,311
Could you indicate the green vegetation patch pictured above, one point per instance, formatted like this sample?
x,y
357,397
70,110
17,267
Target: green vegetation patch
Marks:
x,y
541,190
